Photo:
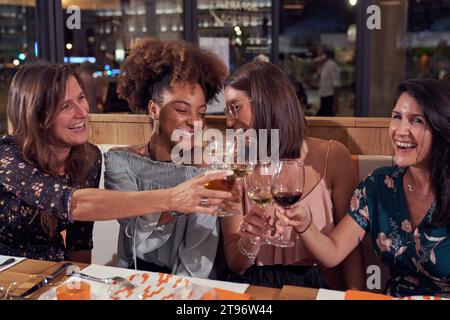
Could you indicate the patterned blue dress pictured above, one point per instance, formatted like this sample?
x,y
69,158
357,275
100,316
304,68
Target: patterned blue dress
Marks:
x,y
419,259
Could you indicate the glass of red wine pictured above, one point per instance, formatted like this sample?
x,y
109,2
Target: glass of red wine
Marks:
x,y
287,189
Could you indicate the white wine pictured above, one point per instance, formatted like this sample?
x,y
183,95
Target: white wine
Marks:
x,y
242,170
262,196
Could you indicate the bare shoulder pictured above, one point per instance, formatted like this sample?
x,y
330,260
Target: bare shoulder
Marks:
x,y
339,165
320,147
338,151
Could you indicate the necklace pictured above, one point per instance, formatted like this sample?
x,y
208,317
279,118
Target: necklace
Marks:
x,y
149,150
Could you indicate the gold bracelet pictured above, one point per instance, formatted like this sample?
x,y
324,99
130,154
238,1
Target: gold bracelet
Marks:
x,y
307,227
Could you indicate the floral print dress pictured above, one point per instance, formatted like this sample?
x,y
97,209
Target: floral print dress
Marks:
x,y
419,259
26,196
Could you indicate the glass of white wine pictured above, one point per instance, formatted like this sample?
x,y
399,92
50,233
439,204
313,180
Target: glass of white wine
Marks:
x,y
258,188
243,159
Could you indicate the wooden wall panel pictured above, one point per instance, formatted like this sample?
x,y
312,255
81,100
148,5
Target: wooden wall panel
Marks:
x,y
360,135
328,133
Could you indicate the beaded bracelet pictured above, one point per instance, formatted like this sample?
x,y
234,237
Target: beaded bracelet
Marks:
x,y
250,255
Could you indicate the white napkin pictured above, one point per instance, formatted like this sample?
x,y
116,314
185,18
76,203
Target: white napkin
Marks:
x,y
4,258
325,294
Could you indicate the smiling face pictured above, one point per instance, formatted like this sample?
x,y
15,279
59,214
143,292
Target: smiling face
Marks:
x,y
181,107
238,109
410,133
70,125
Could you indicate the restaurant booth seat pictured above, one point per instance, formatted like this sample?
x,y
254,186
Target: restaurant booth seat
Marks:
x,y
105,233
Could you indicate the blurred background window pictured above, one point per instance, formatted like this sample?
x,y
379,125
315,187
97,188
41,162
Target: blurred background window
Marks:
x,y
306,26
246,25
428,52
108,30
296,34
413,42
17,44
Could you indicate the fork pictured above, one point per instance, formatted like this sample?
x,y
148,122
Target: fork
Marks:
x,y
118,280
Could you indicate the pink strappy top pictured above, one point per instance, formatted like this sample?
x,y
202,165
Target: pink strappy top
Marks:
x,y
318,201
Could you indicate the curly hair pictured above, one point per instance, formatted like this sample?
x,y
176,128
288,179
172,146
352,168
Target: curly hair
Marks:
x,y
155,66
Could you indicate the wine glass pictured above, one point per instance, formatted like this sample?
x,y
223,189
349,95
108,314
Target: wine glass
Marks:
x,y
243,152
287,189
218,155
258,189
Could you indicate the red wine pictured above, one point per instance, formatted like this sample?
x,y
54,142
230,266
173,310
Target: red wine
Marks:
x,y
287,199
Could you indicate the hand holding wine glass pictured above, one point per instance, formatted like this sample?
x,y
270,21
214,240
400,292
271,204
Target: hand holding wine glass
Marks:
x,y
258,184
296,216
218,158
256,226
287,189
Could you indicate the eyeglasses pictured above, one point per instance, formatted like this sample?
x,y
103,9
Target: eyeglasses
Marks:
x,y
232,111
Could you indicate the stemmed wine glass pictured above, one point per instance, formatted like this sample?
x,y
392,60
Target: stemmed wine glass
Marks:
x,y
258,189
242,159
287,189
218,159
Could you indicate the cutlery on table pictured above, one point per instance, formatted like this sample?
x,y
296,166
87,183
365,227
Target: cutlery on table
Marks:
x,y
118,280
47,279
7,261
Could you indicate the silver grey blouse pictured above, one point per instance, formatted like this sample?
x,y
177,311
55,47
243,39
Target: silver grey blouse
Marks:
x,y
187,245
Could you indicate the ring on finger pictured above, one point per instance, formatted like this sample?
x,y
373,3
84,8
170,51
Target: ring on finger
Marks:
x,y
203,201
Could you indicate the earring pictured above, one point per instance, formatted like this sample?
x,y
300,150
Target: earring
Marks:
x,y
156,126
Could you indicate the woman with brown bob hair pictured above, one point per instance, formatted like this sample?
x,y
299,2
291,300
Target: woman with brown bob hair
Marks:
x,y
172,81
49,172
258,96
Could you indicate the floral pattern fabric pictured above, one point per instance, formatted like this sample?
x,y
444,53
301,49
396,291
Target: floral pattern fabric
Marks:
x,y
418,258
27,196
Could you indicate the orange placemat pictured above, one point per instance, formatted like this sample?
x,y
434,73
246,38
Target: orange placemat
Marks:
x,y
364,295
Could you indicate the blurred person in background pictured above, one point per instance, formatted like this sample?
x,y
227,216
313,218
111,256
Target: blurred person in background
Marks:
x,y
330,82
92,87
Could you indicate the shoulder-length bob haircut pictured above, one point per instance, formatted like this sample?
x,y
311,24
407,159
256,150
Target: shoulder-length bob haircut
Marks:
x,y
34,100
274,104
433,96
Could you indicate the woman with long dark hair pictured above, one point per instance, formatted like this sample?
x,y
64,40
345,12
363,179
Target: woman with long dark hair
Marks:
x,y
406,208
260,96
49,172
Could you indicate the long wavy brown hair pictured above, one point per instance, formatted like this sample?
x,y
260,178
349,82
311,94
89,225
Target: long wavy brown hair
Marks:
x,y
34,100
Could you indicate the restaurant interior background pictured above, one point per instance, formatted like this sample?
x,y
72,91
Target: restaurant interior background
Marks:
x,y
413,41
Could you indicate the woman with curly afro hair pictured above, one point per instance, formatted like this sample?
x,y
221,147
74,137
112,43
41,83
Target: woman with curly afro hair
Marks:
x,y
172,81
